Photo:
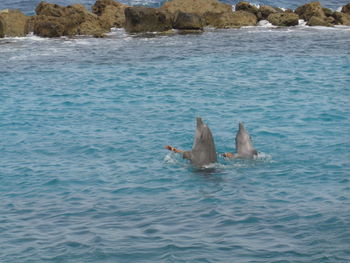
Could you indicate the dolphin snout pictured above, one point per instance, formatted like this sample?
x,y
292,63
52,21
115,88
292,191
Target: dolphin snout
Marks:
x,y
199,122
241,126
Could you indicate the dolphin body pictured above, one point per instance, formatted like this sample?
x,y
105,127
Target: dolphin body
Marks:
x,y
244,144
203,150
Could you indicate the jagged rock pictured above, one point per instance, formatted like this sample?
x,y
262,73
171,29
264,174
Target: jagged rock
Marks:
x,y
341,18
266,10
13,23
145,19
346,9
309,10
213,12
230,20
199,7
328,12
319,21
49,26
54,21
245,6
186,21
315,14
283,19
111,12
2,34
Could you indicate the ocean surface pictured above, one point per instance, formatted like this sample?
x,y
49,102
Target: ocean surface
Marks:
x,y
84,176
28,6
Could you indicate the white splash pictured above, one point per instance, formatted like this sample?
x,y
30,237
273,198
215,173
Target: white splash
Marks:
x,y
265,23
301,22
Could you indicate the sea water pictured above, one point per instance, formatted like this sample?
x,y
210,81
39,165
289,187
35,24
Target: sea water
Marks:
x,y
84,176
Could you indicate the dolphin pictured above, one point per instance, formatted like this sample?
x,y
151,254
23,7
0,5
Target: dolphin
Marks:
x,y
244,144
203,150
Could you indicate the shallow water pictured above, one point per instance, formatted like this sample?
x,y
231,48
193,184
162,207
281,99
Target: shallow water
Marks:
x,y
84,176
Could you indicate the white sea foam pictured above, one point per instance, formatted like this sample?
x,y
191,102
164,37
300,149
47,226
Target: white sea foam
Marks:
x,y
263,157
30,36
265,23
301,22
223,163
173,158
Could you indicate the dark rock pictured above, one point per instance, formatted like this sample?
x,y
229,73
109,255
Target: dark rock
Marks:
x,y
199,7
266,10
245,6
315,14
327,11
145,19
230,20
111,12
2,33
54,21
13,23
49,26
216,11
283,19
213,12
99,35
309,10
47,9
186,21
341,18
318,21
346,9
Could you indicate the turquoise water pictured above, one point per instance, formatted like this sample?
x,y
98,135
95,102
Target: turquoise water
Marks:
x,y
84,176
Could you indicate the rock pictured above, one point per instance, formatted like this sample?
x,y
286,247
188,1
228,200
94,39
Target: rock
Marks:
x,y
186,21
54,21
346,9
309,10
245,6
2,34
283,19
49,26
266,10
99,35
199,7
111,12
230,20
341,18
328,12
145,19
13,23
318,21
213,12
315,14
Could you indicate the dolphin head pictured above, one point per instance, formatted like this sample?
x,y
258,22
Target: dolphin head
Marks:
x,y
203,150
244,144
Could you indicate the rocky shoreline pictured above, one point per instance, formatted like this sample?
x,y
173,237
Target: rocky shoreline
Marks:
x,y
52,20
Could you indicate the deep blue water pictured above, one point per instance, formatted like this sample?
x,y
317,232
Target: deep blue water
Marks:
x,y
84,176
28,6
